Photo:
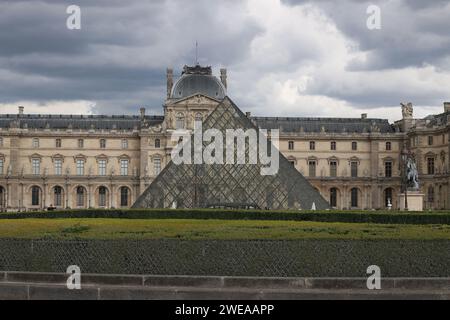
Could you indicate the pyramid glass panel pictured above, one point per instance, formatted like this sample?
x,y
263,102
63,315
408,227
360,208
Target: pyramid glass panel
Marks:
x,y
230,185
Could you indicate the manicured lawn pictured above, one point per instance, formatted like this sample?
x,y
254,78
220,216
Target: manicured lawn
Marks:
x,y
212,229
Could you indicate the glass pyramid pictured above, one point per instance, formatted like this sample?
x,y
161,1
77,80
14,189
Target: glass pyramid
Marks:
x,y
230,185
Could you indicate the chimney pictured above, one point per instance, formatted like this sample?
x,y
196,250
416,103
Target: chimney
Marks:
x,y
446,106
169,82
364,116
21,108
223,77
142,110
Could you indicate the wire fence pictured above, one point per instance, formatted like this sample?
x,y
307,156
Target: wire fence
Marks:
x,y
299,258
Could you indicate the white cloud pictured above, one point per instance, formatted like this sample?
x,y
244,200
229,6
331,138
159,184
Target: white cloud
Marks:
x,y
50,107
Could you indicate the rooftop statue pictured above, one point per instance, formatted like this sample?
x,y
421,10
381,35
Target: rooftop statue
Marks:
x,y
407,110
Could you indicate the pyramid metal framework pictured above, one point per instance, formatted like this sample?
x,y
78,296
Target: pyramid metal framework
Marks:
x,y
230,185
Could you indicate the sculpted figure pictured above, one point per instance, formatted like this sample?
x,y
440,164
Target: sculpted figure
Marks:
x,y
407,110
412,175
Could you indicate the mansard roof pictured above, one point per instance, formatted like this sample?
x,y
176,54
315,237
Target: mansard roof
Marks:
x,y
330,125
84,122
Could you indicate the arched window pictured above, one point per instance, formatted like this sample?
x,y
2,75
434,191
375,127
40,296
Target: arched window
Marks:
x,y
198,118
180,121
102,196
57,196
388,197
157,143
333,197
80,197
2,197
35,196
124,194
430,194
354,197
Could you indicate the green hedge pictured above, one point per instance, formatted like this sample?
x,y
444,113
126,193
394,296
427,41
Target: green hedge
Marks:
x,y
387,217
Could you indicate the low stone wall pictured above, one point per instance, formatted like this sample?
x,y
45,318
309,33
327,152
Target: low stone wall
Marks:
x,y
30,286
299,258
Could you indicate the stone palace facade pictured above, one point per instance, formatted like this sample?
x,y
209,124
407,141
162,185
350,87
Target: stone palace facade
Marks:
x,y
98,161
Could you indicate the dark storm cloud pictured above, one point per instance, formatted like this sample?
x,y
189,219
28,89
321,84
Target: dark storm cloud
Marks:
x,y
119,56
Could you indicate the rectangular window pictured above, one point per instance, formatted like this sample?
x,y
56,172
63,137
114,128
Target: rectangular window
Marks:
x,y
80,167
388,146
312,145
35,143
1,142
102,143
36,166
80,143
58,167
430,165
354,145
291,145
388,169
430,140
2,164
312,169
58,143
124,167
102,167
124,144
333,146
333,169
354,169
157,166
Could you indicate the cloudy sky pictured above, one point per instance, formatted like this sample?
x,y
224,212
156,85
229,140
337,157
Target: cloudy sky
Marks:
x,y
284,58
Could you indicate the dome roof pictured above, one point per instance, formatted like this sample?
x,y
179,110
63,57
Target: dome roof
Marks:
x,y
198,80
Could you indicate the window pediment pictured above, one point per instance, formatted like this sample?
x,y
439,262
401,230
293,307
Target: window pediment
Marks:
x,y
57,157
156,156
292,159
312,158
333,158
101,157
431,155
388,159
79,157
124,157
354,159
35,156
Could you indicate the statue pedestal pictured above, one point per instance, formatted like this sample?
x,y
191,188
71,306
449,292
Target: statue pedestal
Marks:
x,y
415,201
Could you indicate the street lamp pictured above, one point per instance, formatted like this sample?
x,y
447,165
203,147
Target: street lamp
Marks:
x,y
405,155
